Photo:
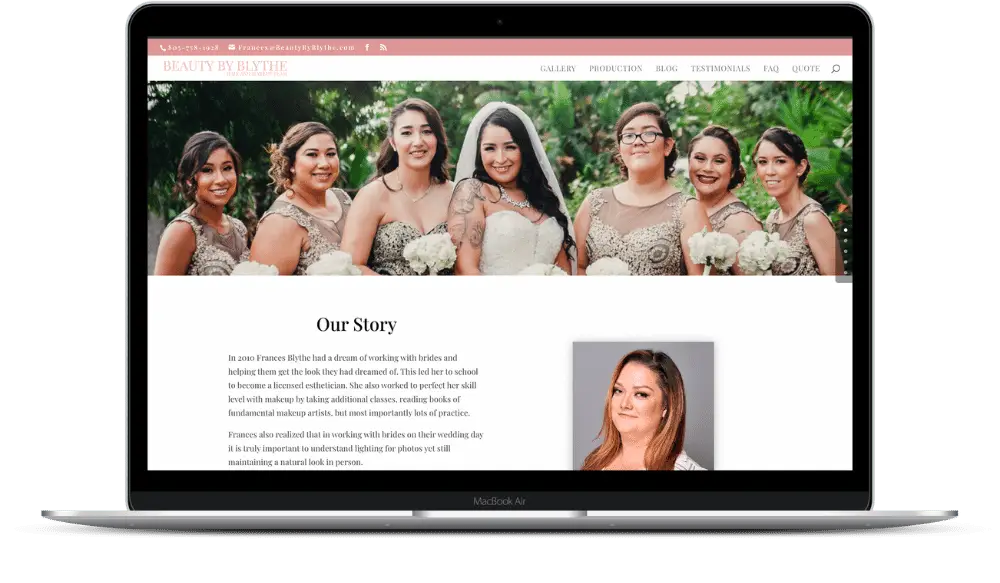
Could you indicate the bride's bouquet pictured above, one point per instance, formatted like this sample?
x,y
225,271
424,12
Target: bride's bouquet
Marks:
x,y
713,249
334,263
542,269
254,268
608,266
760,251
430,253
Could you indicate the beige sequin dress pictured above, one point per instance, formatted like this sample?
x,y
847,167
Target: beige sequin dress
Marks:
x,y
801,260
647,238
324,235
216,253
718,221
386,257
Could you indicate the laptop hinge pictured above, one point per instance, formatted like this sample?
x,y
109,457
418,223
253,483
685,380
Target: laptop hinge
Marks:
x,y
499,513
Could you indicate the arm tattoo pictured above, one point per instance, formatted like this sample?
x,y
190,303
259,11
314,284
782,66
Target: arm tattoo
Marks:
x,y
456,228
463,202
476,235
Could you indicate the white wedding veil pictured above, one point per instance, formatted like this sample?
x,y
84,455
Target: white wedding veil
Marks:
x,y
467,158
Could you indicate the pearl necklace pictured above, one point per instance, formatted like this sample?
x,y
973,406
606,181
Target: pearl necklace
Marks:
x,y
503,195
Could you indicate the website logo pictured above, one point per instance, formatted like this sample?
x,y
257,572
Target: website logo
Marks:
x,y
229,67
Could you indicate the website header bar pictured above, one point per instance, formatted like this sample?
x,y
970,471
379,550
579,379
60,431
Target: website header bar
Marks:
x,y
382,47
493,68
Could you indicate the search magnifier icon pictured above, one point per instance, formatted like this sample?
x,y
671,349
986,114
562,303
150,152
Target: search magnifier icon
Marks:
x,y
836,69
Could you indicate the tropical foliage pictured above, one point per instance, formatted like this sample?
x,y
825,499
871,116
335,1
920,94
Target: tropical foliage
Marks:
x,y
574,119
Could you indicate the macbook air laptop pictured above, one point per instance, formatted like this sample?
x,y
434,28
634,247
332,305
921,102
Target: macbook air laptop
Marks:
x,y
698,178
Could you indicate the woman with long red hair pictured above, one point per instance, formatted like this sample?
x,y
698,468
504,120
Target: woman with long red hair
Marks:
x,y
644,416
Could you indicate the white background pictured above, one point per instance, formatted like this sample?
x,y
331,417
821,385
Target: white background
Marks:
x,y
499,68
524,401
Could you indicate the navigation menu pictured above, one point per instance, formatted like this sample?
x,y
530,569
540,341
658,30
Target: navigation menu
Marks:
x,y
506,68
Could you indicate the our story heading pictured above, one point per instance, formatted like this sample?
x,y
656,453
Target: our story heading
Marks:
x,y
358,325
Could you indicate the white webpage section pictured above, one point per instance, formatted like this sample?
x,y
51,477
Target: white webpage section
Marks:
x,y
782,370
500,68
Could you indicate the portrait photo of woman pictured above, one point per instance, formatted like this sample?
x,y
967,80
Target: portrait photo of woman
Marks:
x,y
782,164
645,413
307,219
507,212
644,221
409,195
203,239
714,170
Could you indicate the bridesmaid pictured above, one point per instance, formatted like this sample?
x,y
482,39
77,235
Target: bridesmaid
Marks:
x,y
644,221
409,196
203,240
714,169
308,217
782,166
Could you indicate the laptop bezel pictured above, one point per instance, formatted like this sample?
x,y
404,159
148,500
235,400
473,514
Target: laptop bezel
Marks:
x,y
460,490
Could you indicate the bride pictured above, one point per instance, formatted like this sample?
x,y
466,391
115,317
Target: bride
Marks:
x,y
507,212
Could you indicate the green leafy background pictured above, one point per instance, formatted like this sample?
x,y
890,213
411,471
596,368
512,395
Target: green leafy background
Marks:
x,y
575,120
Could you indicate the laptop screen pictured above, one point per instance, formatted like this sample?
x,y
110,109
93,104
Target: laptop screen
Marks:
x,y
541,254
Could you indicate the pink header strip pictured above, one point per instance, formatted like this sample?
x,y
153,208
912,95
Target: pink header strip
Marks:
x,y
507,47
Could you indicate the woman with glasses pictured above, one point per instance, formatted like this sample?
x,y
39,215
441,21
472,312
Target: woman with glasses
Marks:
x,y
644,221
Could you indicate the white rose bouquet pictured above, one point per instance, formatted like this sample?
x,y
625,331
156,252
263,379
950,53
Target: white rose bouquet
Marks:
x,y
608,266
334,263
760,251
542,269
254,268
430,253
713,249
